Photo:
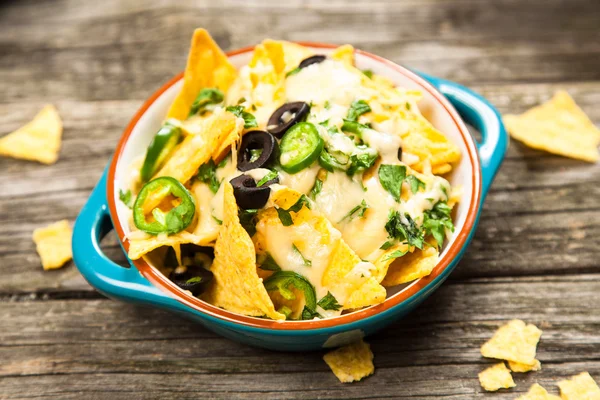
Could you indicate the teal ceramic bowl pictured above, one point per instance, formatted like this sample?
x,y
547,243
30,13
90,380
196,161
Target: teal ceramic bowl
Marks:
x,y
446,104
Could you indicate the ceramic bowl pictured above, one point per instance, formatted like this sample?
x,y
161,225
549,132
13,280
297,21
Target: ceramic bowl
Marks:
x,y
446,104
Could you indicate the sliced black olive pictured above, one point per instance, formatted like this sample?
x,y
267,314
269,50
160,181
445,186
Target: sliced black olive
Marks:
x,y
247,195
399,153
319,58
297,111
194,279
259,149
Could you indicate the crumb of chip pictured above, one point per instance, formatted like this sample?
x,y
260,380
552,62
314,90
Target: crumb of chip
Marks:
x,y
515,341
537,392
54,244
518,367
558,126
352,362
38,140
496,377
579,387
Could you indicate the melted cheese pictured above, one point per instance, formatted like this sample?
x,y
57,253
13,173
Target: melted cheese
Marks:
x,y
302,181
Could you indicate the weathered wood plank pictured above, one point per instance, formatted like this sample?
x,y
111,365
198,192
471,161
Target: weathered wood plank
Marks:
x,y
94,341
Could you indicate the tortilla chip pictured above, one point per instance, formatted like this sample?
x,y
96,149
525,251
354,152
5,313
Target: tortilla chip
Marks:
x,y
515,341
344,53
441,169
140,246
558,126
53,244
293,54
351,363
579,387
236,286
411,266
38,140
196,149
536,392
207,67
496,377
370,293
518,367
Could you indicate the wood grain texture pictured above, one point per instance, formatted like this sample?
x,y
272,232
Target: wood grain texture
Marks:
x,y
534,256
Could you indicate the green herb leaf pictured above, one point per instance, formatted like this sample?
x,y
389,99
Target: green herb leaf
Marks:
x,y
248,220
270,176
408,106
207,173
368,73
306,262
327,105
307,314
293,72
329,302
255,154
126,197
316,189
217,220
284,215
249,119
359,210
357,108
437,220
269,264
195,279
415,183
206,97
404,229
386,245
395,254
241,100
361,162
285,310
391,178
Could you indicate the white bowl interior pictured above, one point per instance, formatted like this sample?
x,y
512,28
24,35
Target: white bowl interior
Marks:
x,y
432,109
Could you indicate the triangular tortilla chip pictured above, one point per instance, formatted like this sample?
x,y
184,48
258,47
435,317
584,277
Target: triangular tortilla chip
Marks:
x,y
496,377
352,362
38,140
207,67
237,287
537,392
579,387
558,126
344,53
411,266
54,244
139,247
515,341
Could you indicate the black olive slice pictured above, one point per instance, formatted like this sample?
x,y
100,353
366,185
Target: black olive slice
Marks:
x,y
259,149
319,58
399,153
247,195
196,280
280,122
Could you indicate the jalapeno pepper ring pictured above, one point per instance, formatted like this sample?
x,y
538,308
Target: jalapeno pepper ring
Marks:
x,y
173,221
161,146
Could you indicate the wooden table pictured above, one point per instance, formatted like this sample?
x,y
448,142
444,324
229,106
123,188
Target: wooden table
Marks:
x,y
535,255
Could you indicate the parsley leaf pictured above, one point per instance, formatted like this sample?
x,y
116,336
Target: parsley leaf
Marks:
x,y
293,72
404,229
437,220
255,154
249,119
126,198
368,73
306,262
316,189
357,108
415,183
386,245
361,162
207,96
217,220
270,176
307,313
195,279
329,302
284,215
358,210
269,264
248,220
395,254
391,178
207,173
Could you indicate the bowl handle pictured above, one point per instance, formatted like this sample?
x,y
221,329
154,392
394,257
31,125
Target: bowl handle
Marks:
x,y
478,112
92,224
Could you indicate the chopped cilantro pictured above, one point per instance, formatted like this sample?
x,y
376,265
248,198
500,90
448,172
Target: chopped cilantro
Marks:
x,y
391,178
306,262
358,210
255,154
206,97
217,220
437,220
241,100
307,313
195,279
368,73
404,229
269,264
357,108
395,254
285,216
126,197
249,119
329,302
248,220
327,105
270,176
207,173
361,162
293,72
415,183
316,189
408,105
386,245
